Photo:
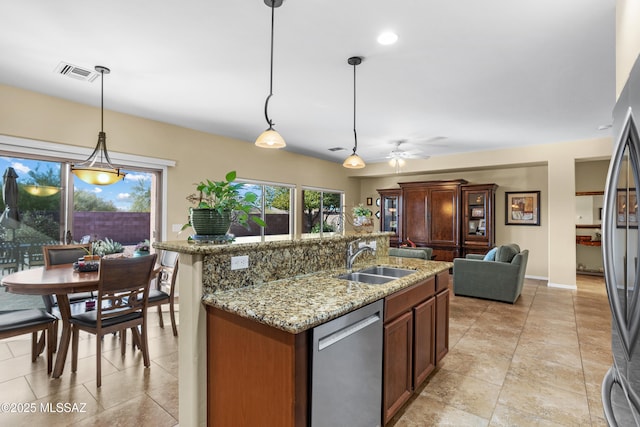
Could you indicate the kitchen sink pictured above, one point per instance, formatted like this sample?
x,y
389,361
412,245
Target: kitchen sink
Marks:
x,y
377,275
380,270
371,279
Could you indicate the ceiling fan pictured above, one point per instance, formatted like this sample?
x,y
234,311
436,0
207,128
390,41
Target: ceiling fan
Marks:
x,y
398,156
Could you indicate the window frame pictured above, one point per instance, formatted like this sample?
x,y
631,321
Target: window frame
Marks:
x,y
341,216
274,237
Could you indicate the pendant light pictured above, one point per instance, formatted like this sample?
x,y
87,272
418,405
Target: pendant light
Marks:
x,y
354,161
97,169
270,138
41,190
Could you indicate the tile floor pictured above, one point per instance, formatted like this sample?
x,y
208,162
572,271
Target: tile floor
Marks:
x,y
537,362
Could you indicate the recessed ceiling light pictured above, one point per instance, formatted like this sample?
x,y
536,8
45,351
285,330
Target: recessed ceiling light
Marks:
x,y
387,38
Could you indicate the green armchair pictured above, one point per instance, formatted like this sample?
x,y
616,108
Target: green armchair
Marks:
x,y
499,280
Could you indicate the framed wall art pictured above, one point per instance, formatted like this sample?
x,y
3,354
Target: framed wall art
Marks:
x,y
627,209
522,208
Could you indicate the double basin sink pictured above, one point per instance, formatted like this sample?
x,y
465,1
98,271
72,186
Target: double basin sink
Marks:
x,y
376,275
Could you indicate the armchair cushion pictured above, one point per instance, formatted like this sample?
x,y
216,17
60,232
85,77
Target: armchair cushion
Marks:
x,y
491,255
505,253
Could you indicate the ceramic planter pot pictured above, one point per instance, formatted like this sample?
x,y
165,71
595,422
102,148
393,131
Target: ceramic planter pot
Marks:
x,y
209,222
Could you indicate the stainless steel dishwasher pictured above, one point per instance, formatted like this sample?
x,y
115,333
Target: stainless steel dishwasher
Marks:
x,y
346,370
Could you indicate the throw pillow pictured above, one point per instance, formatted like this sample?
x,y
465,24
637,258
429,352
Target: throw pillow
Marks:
x,y
506,253
491,255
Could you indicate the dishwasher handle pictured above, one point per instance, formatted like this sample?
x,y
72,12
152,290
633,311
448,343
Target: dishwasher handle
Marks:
x,y
347,331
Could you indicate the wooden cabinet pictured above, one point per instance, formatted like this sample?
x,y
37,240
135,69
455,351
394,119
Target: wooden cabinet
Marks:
x,y
390,214
416,336
431,216
442,315
257,375
453,218
397,371
478,222
424,320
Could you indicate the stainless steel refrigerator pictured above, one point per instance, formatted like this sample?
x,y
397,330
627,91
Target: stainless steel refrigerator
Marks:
x,y
620,248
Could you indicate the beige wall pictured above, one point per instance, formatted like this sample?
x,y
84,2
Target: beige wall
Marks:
x,y
627,39
197,155
549,168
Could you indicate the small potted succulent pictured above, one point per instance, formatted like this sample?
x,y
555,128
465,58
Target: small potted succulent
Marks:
x,y
142,249
362,219
219,204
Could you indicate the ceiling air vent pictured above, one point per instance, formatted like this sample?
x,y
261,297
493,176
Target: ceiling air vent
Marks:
x,y
76,72
337,149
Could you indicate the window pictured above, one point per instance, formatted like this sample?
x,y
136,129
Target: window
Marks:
x,y
71,209
274,207
322,211
120,211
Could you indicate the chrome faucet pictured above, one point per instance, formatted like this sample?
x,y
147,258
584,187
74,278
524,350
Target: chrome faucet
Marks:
x,y
351,255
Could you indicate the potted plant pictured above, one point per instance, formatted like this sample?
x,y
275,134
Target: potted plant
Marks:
x,y
142,248
362,219
107,247
219,204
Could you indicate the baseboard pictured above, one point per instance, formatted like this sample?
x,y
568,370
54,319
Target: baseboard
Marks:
x,y
562,286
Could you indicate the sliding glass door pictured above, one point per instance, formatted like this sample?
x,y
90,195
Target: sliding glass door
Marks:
x,y
48,205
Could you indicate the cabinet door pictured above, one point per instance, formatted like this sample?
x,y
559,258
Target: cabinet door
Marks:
x,y
424,334
442,324
397,378
415,216
443,215
478,218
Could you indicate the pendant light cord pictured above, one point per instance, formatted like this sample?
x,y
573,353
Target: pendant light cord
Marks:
x,y
101,100
355,135
266,103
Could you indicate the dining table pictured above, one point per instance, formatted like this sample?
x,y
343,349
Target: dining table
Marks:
x,y
59,280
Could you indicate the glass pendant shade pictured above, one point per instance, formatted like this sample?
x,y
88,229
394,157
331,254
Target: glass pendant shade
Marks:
x,y
98,176
353,162
41,190
97,169
270,139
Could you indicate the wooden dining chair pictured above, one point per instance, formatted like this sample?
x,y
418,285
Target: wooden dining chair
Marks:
x,y
59,255
20,322
166,279
119,307
64,254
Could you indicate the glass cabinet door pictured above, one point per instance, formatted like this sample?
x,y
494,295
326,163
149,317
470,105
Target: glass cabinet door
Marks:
x,y
390,214
390,202
476,214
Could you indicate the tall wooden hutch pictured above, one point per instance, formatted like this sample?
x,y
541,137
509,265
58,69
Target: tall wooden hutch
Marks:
x,y
452,217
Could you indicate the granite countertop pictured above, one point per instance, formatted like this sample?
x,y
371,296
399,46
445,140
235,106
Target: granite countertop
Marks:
x,y
302,302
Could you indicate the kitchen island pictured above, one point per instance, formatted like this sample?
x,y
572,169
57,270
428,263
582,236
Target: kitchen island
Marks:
x,y
288,288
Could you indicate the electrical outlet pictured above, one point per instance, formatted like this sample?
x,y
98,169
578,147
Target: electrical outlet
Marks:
x,y
239,262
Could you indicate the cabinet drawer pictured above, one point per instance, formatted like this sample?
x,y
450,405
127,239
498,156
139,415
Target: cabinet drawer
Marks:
x,y
405,299
442,280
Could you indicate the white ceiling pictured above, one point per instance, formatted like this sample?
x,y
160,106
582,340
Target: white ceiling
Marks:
x,y
484,74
